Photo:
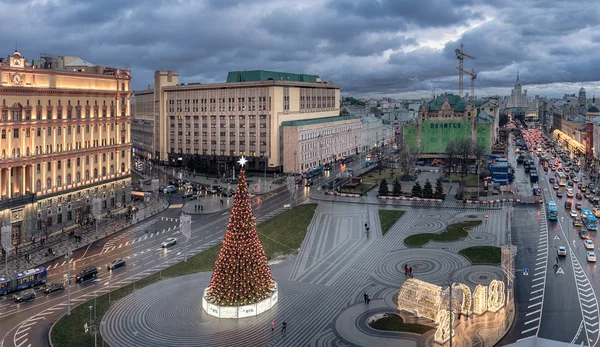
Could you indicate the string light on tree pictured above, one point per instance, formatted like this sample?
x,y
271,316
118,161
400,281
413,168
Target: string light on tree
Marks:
x,y
242,275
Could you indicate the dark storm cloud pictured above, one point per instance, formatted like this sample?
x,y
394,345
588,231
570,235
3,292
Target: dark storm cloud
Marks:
x,y
371,47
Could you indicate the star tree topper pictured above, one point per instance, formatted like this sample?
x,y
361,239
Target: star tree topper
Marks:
x,y
242,161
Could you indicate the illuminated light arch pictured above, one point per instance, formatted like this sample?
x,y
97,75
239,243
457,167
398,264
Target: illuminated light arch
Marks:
x,y
496,296
467,299
442,333
480,300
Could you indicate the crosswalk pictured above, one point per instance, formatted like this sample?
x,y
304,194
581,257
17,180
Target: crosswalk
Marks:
x,y
167,219
112,247
143,226
538,283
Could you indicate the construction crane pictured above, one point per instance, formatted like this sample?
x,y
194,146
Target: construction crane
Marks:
x,y
473,77
460,55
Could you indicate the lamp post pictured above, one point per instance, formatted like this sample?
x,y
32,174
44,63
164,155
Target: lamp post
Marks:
x,y
67,258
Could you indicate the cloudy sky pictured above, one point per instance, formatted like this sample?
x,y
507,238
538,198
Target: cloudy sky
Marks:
x,y
397,48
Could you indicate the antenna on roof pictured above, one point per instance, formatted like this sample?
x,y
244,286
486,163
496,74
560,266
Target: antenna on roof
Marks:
x,y
16,46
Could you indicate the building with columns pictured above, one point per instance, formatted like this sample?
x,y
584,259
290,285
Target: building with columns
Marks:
x,y
64,140
210,125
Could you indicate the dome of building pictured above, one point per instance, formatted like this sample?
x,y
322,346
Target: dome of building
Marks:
x,y
582,90
593,109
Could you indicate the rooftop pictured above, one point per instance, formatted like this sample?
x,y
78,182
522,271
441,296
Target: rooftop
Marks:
x,y
297,123
457,103
263,75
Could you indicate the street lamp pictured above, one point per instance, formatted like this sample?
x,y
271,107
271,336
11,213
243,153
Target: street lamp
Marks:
x,y
67,258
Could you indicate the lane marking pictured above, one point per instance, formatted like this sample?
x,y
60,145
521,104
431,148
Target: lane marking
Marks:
x,y
532,313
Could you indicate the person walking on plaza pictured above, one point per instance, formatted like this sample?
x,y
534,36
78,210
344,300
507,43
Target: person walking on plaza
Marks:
x,y
272,326
405,269
410,271
283,327
365,297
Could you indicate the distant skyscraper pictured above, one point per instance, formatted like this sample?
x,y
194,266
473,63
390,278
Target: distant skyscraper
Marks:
x,y
518,98
582,98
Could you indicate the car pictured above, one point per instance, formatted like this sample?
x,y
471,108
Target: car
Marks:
x,y
579,196
570,184
545,168
562,251
25,295
559,194
591,185
575,179
589,244
587,195
551,180
308,183
578,206
53,287
577,222
117,263
591,257
582,188
187,195
195,196
570,193
556,187
169,242
86,274
573,214
584,234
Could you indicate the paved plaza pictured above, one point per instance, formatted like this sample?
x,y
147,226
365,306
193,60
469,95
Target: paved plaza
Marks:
x,y
321,288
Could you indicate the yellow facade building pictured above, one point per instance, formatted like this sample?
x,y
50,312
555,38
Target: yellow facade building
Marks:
x,y
213,124
64,140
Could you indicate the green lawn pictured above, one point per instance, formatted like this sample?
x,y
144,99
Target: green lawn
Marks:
x,y
135,178
470,180
483,254
374,177
387,219
280,235
453,232
393,322
360,189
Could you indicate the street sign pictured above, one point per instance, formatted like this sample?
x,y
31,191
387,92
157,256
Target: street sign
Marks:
x,y
525,271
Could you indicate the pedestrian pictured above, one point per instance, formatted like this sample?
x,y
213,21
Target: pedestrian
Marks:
x,y
221,202
405,269
410,271
272,326
365,297
195,207
283,327
368,299
201,208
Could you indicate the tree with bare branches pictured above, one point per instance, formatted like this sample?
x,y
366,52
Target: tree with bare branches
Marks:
x,y
452,152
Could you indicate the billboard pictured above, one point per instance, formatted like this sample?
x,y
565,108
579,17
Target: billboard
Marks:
x,y
483,136
410,136
435,135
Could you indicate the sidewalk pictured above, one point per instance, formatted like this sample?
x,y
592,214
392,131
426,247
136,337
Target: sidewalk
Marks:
x,y
61,242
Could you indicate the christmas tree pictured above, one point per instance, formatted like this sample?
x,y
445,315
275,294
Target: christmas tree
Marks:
x,y
242,275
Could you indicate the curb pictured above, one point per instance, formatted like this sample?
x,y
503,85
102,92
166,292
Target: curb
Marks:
x,y
407,199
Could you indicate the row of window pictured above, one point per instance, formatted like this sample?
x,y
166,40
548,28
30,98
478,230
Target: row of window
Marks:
x,y
221,142
214,152
69,130
223,104
59,182
19,113
251,134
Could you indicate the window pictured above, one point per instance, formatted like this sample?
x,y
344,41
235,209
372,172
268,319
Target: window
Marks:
x,y
38,185
15,133
39,132
58,181
78,177
49,166
49,131
48,183
3,134
68,179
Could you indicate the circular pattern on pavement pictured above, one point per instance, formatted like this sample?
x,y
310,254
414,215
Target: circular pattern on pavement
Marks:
x,y
480,238
430,265
435,215
426,226
478,274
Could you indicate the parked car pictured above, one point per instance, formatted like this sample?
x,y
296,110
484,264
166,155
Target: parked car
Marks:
x,y
54,287
169,242
86,274
25,295
117,263
562,251
589,244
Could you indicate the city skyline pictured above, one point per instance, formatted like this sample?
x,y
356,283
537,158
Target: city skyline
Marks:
x,y
372,49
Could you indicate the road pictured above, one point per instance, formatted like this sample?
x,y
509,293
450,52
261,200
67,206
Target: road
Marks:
x,y
27,324
554,301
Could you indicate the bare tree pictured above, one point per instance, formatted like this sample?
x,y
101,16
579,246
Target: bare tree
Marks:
x,y
465,151
407,160
478,153
451,151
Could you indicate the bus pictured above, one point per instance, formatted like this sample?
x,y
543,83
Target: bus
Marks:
x,y
552,210
317,171
23,280
562,179
588,219
348,159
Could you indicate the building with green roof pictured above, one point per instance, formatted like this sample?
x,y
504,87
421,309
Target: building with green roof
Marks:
x,y
264,75
449,117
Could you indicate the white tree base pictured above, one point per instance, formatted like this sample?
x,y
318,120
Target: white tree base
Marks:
x,y
239,311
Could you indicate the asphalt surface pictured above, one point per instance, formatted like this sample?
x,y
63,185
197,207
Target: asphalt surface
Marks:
x,y
27,324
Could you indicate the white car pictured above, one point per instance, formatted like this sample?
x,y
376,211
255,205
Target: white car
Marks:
x,y
169,242
562,251
589,244
591,257
573,213
570,193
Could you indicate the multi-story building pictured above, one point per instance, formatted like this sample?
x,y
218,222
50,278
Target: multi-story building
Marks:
x,y
449,117
212,124
64,140
312,142
518,97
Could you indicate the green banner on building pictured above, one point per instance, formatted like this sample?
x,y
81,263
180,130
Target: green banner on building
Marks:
x,y
435,135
